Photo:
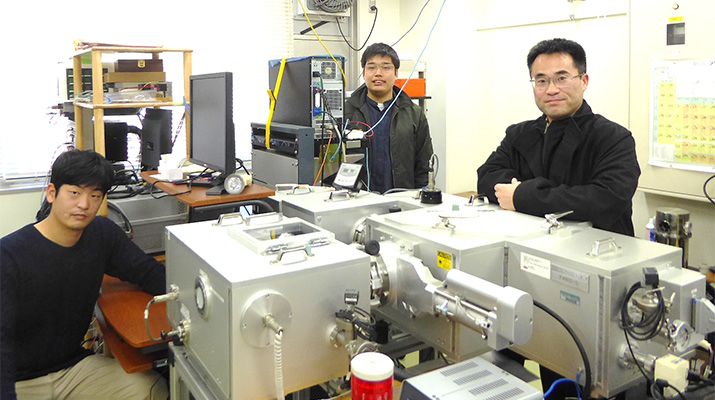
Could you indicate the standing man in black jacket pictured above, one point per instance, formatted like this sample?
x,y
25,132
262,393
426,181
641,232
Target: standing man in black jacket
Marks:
x,y
51,273
400,145
569,159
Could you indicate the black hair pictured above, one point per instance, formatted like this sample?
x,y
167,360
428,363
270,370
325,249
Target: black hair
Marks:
x,y
380,49
552,46
82,168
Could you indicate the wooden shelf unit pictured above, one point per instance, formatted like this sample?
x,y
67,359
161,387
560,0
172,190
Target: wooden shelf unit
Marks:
x,y
97,106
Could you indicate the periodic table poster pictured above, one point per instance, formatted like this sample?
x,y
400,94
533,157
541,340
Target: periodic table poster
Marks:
x,y
683,114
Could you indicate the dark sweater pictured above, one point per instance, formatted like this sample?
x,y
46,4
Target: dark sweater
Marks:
x,y
48,293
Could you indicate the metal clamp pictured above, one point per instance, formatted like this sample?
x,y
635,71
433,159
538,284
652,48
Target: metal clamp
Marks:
x,y
552,220
254,217
603,246
233,215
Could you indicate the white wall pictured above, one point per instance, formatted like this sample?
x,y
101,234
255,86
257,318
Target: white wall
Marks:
x,y
489,84
18,209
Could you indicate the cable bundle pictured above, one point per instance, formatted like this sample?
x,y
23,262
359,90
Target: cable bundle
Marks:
x,y
650,324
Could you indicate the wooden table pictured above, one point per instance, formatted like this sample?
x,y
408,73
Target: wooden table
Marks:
x,y
197,197
121,320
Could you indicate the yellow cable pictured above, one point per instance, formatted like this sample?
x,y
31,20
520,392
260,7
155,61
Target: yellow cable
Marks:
x,y
274,98
305,13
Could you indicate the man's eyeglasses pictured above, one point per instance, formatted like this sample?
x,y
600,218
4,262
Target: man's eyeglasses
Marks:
x,y
383,67
560,81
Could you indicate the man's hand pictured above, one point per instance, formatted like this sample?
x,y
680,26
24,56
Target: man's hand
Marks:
x,y
504,192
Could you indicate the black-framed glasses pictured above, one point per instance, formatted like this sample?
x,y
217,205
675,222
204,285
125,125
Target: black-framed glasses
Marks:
x,y
560,81
383,67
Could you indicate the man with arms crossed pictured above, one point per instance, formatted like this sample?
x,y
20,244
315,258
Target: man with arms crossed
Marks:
x,y
569,159
51,275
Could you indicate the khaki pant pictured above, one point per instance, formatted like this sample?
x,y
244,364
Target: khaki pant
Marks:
x,y
95,377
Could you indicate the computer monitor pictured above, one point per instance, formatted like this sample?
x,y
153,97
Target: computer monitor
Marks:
x,y
212,136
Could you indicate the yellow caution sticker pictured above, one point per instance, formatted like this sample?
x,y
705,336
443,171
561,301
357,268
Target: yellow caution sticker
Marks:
x,y
444,260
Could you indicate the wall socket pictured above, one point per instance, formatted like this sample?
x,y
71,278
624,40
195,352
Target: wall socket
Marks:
x,y
373,6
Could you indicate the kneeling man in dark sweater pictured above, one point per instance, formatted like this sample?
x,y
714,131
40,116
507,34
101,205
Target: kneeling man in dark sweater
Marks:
x,y
51,274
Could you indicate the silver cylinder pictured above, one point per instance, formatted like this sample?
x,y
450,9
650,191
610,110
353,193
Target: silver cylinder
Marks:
x,y
673,227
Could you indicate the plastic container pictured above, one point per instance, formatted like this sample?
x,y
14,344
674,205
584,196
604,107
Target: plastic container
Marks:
x,y
371,377
650,229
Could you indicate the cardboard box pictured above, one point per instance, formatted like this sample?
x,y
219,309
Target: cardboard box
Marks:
x,y
151,65
414,88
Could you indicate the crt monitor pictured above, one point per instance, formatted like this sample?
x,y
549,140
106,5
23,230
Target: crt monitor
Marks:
x,y
212,141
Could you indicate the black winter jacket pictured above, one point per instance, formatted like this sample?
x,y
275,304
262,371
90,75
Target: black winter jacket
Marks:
x,y
592,170
410,141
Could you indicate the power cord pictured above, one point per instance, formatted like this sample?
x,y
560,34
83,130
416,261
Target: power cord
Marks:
x,y
658,387
581,349
337,22
705,189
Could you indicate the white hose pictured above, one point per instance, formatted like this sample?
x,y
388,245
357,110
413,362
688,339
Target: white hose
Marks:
x,y
278,363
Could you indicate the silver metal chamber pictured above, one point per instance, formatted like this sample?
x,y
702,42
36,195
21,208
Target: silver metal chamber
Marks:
x,y
231,277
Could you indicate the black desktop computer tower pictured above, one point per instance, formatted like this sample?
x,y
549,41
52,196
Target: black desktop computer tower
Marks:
x,y
310,88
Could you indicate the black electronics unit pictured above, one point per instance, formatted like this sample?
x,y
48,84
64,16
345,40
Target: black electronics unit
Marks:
x,y
290,158
155,137
115,141
311,87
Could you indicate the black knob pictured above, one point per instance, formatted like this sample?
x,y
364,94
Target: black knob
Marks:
x,y
372,247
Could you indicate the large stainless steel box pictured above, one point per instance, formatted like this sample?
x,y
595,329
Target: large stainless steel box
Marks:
x,y
337,213
230,277
561,272
564,270
449,236
148,217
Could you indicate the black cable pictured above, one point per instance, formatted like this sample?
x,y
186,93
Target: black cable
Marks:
x,y
152,186
630,349
705,189
241,165
364,329
650,325
413,25
581,349
337,21
656,389
129,229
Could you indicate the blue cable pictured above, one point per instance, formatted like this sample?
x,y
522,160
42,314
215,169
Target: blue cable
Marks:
x,y
340,136
413,69
367,167
557,383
